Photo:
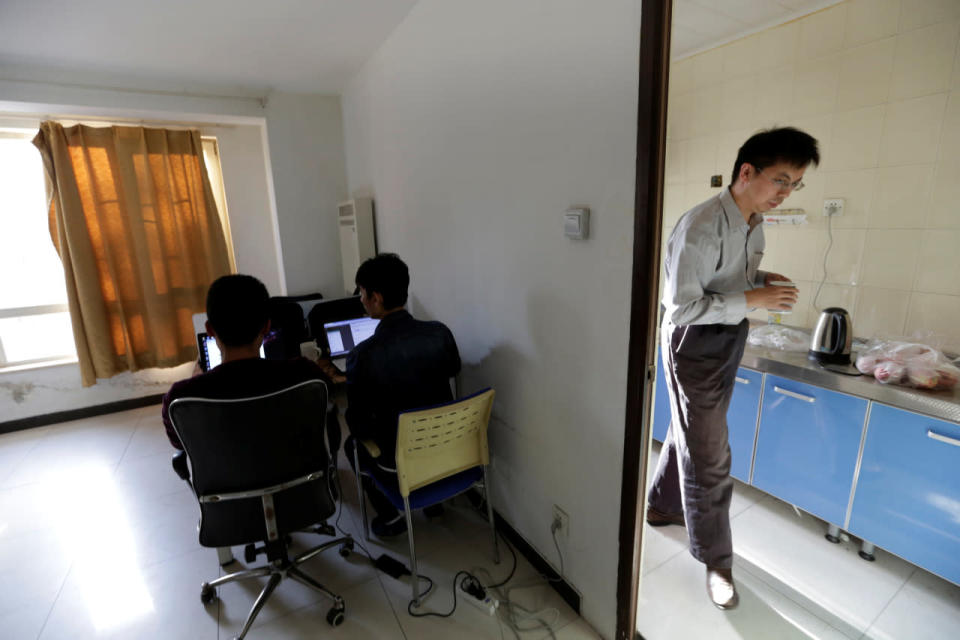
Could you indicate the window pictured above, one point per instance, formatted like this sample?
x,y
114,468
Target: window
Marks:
x,y
34,321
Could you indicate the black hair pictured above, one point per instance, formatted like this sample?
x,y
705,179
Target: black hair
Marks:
x,y
387,275
771,146
237,309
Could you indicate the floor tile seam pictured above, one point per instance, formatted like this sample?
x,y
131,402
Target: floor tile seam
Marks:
x,y
665,561
791,593
393,610
125,449
772,583
56,599
889,601
321,598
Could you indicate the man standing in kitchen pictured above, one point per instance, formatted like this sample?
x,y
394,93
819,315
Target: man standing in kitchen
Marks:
x,y
712,280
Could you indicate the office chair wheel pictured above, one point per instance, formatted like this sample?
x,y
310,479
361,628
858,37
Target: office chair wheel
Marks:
x,y
335,616
208,594
346,548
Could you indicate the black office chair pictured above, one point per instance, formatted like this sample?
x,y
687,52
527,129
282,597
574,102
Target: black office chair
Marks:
x,y
260,470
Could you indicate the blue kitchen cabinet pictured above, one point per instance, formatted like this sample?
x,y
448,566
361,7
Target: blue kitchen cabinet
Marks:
x,y
741,417
908,494
661,407
742,421
807,446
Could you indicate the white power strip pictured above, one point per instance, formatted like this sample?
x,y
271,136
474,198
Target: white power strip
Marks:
x,y
488,605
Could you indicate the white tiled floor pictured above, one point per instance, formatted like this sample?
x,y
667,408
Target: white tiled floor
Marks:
x,y
792,583
98,540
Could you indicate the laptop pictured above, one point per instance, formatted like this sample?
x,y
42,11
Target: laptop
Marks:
x,y
343,335
210,353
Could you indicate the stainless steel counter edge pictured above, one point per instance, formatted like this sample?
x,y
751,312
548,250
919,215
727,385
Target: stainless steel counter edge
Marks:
x,y
944,405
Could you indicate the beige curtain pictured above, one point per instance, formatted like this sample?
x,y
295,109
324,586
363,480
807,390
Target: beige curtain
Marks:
x,y
134,220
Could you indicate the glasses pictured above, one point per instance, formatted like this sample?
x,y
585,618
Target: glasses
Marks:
x,y
784,185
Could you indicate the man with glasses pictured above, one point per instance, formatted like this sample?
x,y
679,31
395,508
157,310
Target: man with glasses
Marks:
x,y
712,279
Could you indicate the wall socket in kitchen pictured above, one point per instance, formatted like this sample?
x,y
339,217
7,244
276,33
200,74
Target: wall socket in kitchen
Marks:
x,y
833,207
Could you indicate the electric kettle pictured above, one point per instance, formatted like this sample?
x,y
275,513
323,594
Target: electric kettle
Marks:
x,y
832,337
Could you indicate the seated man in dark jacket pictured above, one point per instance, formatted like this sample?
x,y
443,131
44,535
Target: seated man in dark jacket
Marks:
x,y
406,364
238,317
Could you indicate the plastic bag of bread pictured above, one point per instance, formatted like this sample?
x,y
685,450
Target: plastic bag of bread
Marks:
x,y
909,364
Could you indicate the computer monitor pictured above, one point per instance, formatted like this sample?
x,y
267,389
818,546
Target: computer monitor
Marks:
x,y
210,355
343,335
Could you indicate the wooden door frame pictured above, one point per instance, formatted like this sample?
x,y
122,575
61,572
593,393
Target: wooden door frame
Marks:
x,y
655,24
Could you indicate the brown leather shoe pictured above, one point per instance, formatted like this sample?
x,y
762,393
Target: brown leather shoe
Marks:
x,y
657,518
721,589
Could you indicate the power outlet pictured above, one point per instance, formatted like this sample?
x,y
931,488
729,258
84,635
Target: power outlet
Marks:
x,y
833,207
562,521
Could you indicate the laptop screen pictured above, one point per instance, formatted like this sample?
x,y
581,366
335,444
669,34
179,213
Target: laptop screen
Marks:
x,y
210,353
344,335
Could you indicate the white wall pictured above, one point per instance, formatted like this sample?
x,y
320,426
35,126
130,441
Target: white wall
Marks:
x,y
250,202
474,127
309,176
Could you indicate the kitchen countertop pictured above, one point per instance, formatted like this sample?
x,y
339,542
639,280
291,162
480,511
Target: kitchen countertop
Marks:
x,y
944,405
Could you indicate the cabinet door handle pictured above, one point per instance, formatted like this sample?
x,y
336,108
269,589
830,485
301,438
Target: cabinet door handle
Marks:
x,y
794,394
942,438
742,380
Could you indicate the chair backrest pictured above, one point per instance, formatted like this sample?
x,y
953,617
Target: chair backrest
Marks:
x,y
288,329
437,442
252,443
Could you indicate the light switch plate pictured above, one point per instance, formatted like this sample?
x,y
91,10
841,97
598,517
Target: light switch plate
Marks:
x,y
576,223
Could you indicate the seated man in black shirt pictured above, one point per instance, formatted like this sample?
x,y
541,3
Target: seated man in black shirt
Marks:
x,y
238,317
406,364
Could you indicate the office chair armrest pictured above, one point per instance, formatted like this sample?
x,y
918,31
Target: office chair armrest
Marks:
x,y
179,462
371,448
260,493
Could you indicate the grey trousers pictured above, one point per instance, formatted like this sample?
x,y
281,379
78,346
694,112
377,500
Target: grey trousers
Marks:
x,y
693,474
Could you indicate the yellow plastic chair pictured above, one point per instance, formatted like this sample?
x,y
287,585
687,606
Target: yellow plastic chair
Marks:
x,y
441,452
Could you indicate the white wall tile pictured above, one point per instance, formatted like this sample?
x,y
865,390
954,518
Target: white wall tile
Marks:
x,y
911,131
707,68
902,197
696,192
857,189
845,261
796,255
939,270
778,47
774,103
815,86
955,83
681,77
727,147
674,161
736,101
890,258
822,32
945,199
869,20
880,313
855,140
865,74
821,128
919,13
680,117
706,118
949,142
739,57
672,204
833,295
934,317
924,60
700,159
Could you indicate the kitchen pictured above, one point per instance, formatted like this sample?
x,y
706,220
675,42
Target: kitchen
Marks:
x,y
877,82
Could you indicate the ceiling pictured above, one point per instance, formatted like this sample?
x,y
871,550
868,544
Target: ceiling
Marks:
x,y
232,47
252,47
702,24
